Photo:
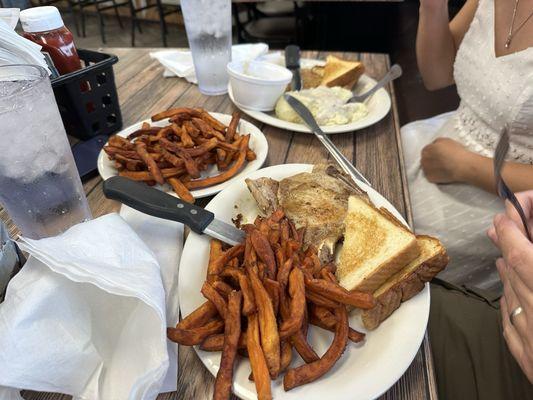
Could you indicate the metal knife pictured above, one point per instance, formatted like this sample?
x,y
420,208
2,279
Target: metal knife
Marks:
x,y
310,121
159,204
292,62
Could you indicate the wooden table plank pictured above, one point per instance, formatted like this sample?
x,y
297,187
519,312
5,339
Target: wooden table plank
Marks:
x,y
376,151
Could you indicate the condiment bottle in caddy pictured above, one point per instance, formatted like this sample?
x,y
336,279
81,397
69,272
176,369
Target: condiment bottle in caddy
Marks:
x,y
44,26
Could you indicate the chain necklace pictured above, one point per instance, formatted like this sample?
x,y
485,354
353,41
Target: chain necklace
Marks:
x,y
511,32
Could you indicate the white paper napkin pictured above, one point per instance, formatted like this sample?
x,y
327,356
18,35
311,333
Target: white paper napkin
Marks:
x,y
14,49
179,62
86,315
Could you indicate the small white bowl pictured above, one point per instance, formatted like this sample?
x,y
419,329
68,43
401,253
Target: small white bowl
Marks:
x,y
257,85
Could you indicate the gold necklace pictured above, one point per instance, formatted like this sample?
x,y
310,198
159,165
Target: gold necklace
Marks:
x,y
511,33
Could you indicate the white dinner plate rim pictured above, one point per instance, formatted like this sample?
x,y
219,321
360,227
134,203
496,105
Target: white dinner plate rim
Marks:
x,y
372,118
387,378
258,143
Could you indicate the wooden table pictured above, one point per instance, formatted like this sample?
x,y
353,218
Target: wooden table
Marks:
x,y
376,151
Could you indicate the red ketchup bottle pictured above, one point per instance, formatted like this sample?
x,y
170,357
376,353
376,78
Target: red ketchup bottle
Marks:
x,y
44,26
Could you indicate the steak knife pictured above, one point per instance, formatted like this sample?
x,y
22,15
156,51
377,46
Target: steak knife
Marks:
x,y
159,204
310,121
292,62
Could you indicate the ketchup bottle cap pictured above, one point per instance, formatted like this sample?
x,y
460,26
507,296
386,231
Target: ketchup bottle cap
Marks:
x,y
40,19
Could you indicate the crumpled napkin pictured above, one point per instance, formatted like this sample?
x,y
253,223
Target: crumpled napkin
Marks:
x,y
14,49
179,62
86,315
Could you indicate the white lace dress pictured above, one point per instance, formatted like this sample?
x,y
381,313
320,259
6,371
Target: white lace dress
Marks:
x,y
494,91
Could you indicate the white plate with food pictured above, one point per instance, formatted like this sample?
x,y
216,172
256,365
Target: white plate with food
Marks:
x,y
365,370
328,104
257,143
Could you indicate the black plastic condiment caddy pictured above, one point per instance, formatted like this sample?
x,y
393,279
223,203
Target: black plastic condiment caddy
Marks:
x,y
87,98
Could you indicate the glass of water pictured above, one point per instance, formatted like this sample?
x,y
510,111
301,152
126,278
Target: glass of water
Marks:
x,y
208,25
39,184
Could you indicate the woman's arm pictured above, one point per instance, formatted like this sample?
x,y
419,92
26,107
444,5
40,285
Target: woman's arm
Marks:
x,y
478,171
438,39
448,161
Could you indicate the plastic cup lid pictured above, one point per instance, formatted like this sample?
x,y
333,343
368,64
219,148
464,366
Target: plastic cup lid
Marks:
x,y
41,19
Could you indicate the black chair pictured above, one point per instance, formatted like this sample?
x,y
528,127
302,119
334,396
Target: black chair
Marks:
x,y
276,24
162,9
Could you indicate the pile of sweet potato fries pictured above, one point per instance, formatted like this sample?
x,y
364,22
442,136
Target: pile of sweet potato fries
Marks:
x,y
261,297
177,153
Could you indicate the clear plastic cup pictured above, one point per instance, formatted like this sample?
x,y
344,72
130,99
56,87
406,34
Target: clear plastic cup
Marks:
x,y
39,183
208,25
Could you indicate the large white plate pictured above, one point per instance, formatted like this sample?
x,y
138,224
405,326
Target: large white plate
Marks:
x,y
365,371
258,144
378,105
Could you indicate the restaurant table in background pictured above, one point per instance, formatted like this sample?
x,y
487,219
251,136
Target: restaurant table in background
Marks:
x,y
376,152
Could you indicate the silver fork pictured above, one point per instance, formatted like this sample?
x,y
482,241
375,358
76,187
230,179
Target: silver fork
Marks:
x,y
501,187
394,72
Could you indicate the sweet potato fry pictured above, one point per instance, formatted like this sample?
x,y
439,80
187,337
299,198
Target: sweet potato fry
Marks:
x,y
297,305
273,289
194,336
225,257
284,271
121,142
224,176
207,130
232,127
191,129
312,371
320,300
264,252
186,140
250,155
198,317
172,158
150,163
143,131
175,111
258,363
147,176
303,348
336,292
324,318
215,123
203,148
248,305
286,355
216,298
223,288
232,332
216,342
215,250
180,189
267,324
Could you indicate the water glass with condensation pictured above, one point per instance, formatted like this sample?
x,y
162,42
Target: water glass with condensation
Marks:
x,y
208,25
39,183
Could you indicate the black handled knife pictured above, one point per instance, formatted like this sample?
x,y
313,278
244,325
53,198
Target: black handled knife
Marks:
x,y
292,62
159,204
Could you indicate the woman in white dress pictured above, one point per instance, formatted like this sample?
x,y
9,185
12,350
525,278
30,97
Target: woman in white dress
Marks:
x,y
487,50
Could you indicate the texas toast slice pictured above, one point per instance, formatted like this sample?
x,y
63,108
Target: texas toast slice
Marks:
x,y
376,246
407,282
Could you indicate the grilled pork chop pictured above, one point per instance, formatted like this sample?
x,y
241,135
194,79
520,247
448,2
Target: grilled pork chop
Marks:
x,y
317,201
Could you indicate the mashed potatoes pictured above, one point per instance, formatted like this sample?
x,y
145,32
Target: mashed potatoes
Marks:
x,y
327,104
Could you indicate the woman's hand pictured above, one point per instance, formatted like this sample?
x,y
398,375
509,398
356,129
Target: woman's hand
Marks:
x,y
516,272
444,161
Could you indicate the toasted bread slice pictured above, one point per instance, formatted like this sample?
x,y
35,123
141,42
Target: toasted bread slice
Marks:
x,y
376,246
310,79
407,282
338,72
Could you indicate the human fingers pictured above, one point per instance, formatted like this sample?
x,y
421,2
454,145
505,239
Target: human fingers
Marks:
x,y
514,343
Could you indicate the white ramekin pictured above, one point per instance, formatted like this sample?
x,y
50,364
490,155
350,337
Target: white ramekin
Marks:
x,y
257,85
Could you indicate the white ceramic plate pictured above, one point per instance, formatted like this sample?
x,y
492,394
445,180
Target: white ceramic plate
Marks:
x,y
258,144
378,105
365,370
